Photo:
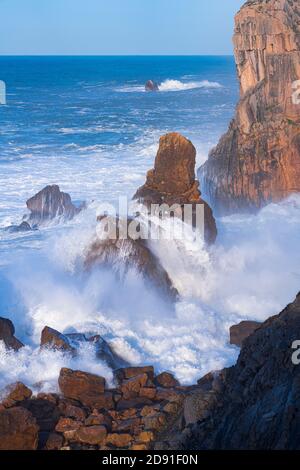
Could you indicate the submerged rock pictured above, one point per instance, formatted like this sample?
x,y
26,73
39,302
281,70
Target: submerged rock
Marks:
x,y
258,160
23,227
53,339
151,86
122,254
50,203
7,331
172,181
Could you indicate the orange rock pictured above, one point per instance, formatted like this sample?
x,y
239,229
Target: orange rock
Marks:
x,y
18,430
258,160
130,372
172,181
148,392
139,447
94,435
119,440
131,387
15,393
166,380
67,424
86,388
150,410
145,436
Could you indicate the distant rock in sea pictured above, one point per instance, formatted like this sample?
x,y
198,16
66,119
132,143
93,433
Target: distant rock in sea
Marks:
x,y
258,160
172,181
51,203
151,86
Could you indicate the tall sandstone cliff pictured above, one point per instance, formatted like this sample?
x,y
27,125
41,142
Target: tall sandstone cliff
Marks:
x,y
258,160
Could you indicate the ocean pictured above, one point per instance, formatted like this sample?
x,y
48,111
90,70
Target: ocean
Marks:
x,y
86,124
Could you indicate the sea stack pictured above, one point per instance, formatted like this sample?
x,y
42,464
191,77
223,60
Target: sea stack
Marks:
x,y
172,181
258,160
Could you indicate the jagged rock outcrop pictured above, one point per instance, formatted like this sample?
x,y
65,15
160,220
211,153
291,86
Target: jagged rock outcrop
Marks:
x,y
257,402
7,331
121,254
50,203
258,160
151,86
172,181
71,343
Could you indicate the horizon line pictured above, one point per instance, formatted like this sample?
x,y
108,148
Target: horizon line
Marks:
x,y
116,55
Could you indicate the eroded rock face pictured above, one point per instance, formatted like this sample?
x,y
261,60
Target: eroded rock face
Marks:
x,y
50,203
172,181
7,331
258,160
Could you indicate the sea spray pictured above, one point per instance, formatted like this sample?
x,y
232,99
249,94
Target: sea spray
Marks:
x,y
218,288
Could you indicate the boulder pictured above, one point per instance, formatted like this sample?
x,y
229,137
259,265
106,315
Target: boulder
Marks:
x,y
258,160
131,388
94,435
88,389
54,441
172,182
50,203
238,333
119,440
151,86
123,254
14,394
126,373
166,380
7,331
53,339
18,430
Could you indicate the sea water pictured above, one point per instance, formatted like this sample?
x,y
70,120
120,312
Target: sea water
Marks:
x,y
87,124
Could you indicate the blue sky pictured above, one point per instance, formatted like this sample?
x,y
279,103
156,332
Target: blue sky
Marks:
x,y
117,26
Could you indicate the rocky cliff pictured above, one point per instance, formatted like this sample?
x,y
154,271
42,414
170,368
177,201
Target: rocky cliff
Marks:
x,y
258,160
255,404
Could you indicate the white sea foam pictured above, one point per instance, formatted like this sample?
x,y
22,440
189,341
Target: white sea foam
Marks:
x,y
171,85
252,273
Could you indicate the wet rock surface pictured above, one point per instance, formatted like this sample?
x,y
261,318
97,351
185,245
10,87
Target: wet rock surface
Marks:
x,y
50,203
7,331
